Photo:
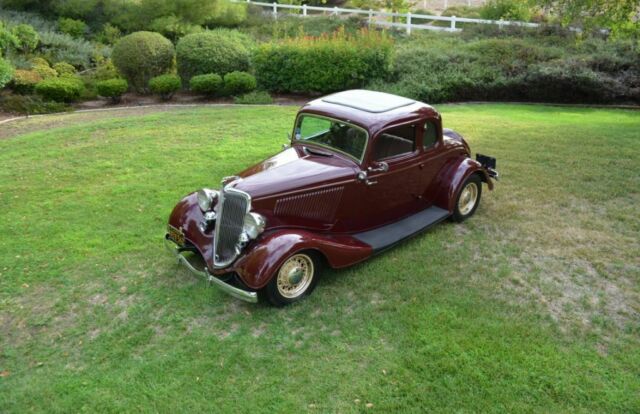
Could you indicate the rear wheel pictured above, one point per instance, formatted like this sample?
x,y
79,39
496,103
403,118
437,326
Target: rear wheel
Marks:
x,y
296,279
468,198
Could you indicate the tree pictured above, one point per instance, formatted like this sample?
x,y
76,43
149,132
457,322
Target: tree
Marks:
x,y
621,16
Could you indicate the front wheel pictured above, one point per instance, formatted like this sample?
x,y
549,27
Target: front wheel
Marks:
x,y
468,199
296,279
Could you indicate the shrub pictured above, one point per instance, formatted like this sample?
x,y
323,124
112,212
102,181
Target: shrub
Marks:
x,y
216,51
60,89
42,68
24,81
6,72
112,89
254,98
209,84
8,40
165,86
324,64
64,69
227,14
58,47
141,56
173,27
506,9
27,37
29,104
72,27
236,83
109,34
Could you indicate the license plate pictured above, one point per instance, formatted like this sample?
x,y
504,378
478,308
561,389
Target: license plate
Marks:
x,y
176,235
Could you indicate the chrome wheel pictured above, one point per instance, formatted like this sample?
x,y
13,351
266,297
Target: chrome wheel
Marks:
x,y
468,198
295,276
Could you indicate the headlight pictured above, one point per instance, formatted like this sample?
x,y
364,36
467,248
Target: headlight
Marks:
x,y
206,198
254,224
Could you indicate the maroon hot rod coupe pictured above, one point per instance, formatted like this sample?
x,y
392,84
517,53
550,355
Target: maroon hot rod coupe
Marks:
x,y
364,170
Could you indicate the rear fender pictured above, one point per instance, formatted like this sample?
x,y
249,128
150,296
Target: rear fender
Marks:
x,y
259,263
453,177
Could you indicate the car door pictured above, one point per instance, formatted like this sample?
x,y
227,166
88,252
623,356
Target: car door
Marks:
x,y
395,192
433,158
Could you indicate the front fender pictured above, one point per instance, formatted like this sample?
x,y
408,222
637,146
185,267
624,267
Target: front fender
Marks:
x,y
259,263
453,176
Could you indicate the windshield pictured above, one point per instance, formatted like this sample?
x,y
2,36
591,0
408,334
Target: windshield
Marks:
x,y
331,133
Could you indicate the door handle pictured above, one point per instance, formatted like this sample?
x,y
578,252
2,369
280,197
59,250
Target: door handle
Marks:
x,y
421,165
371,182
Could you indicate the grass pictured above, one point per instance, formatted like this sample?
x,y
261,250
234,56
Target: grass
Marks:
x,y
532,305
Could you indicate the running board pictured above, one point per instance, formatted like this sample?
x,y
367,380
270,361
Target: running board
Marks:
x,y
386,236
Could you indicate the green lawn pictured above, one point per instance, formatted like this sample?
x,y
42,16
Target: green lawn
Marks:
x,y
532,305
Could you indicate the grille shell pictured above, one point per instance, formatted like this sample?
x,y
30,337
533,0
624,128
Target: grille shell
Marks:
x,y
233,206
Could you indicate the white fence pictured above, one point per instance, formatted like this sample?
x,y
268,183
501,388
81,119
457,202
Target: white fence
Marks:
x,y
381,18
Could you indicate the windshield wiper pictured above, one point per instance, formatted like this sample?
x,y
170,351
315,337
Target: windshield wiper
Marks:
x,y
318,152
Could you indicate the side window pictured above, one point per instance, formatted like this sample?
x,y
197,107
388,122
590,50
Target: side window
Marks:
x,y
430,134
395,141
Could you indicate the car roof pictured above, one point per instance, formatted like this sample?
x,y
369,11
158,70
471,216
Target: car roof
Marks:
x,y
370,109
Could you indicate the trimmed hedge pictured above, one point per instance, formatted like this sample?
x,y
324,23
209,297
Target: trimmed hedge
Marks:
x,y
24,81
209,84
165,86
324,64
64,69
142,55
237,83
214,51
60,89
254,98
6,72
112,89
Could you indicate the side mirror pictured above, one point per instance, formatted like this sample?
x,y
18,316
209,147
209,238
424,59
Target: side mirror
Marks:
x,y
378,166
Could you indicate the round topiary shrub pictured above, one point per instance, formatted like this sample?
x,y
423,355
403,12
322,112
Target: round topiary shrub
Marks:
x,y
165,86
6,72
141,56
64,69
238,83
60,89
209,84
42,67
112,89
215,51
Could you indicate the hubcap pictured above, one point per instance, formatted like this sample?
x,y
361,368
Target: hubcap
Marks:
x,y
468,198
295,276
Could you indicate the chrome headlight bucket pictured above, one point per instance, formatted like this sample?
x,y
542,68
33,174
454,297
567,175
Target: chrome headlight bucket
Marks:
x,y
206,198
254,225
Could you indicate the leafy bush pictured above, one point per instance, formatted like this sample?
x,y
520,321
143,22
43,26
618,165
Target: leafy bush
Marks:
x,y
173,27
109,34
8,40
165,85
29,104
226,13
506,9
27,37
64,69
141,56
42,68
254,98
324,64
58,47
236,83
24,81
72,27
112,89
215,51
209,84
6,72
60,89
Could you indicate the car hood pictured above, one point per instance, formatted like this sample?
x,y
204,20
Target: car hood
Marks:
x,y
292,170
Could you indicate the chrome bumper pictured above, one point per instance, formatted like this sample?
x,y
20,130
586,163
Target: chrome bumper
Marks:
x,y
225,287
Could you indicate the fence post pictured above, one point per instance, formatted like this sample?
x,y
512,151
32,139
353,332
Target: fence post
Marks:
x,y
453,23
335,11
370,17
469,3
304,9
409,23
500,24
446,4
275,10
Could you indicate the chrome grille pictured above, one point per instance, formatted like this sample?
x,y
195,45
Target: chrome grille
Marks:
x,y
233,206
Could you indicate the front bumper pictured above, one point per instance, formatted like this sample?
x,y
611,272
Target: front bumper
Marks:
x,y
225,287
